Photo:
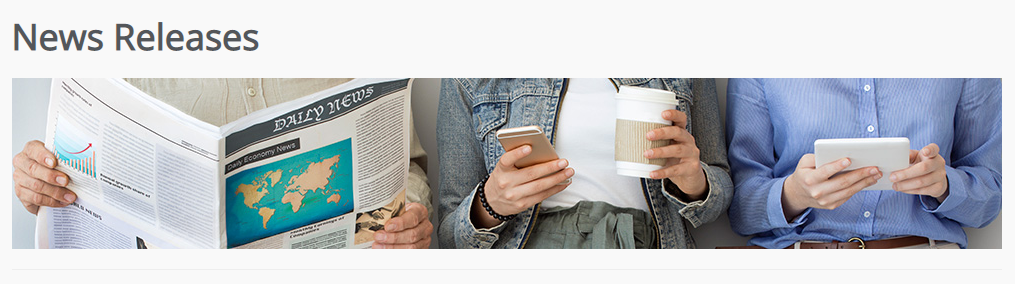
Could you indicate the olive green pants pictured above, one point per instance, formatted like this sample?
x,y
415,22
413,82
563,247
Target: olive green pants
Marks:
x,y
592,225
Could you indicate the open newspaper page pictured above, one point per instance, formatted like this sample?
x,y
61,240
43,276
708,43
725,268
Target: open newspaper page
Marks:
x,y
325,173
144,172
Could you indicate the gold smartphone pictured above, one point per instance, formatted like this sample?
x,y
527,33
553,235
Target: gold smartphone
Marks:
x,y
542,151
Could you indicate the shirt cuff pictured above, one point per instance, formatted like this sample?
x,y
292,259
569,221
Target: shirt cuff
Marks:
x,y
681,198
716,201
467,232
776,217
956,194
468,217
495,229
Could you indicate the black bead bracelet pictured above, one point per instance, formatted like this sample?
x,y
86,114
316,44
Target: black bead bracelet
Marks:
x,y
489,210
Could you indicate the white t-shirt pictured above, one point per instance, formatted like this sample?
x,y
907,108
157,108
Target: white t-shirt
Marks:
x,y
585,137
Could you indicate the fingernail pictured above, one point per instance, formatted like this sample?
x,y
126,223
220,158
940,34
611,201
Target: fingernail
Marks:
x,y
380,237
873,171
391,227
894,178
569,172
562,163
666,115
68,197
650,135
925,152
647,154
49,162
526,149
879,176
61,180
845,162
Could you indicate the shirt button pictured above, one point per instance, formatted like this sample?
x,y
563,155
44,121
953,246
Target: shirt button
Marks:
x,y
866,88
251,92
866,214
870,128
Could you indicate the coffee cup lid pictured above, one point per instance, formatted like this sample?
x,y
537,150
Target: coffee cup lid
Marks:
x,y
647,94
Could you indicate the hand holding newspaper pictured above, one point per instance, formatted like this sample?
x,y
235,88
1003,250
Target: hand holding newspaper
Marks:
x,y
322,171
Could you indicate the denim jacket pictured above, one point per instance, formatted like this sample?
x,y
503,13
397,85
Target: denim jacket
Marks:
x,y
472,110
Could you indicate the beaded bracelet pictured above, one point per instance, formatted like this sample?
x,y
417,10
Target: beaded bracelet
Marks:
x,y
489,210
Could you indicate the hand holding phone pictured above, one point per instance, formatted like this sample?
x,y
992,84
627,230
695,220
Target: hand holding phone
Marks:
x,y
542,151
525,175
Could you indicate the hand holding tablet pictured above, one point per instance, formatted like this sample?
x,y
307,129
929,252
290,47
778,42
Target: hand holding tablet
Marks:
x,y
888,154
926,175
839,169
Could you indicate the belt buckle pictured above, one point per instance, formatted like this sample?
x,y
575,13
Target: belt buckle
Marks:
x,y
856,239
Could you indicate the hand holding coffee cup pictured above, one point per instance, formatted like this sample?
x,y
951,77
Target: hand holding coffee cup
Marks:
x,y
682,167
652,140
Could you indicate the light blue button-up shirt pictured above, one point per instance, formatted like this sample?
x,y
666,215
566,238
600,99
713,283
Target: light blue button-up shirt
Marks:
x,y
771,123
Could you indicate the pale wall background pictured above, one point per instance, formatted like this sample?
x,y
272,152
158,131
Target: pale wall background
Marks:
x,y
31,97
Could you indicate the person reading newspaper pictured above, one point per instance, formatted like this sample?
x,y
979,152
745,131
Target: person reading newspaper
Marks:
x,y
220,101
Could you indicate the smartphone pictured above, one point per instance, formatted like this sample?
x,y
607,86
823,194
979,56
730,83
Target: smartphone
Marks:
x,y
542,151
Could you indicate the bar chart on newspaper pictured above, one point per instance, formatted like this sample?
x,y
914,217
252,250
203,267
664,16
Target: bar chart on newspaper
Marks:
x,y
75,148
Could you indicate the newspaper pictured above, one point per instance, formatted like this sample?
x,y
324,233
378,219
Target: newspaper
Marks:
x,y
323,171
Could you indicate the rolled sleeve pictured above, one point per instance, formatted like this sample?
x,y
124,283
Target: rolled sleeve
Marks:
x,y
717,200
466,234
776,215
970,208
956,195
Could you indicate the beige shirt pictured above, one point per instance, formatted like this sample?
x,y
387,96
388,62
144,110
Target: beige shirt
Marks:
x,y
220,101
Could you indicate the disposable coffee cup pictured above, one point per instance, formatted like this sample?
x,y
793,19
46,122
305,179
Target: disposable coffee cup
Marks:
x,y
639,110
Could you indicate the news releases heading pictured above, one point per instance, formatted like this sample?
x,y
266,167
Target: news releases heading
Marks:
x,y
129,38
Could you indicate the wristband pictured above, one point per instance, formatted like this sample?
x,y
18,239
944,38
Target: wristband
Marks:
x,y
489,210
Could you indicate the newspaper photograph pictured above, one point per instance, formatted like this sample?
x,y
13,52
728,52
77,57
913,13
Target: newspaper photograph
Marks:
x,y
322,171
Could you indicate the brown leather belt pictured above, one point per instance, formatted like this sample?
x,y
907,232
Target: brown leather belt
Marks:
x,y
855,243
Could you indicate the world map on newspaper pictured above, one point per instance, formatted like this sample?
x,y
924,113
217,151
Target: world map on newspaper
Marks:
x,y
283,195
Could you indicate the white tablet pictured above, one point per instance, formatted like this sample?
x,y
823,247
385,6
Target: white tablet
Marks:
x,y
888,154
